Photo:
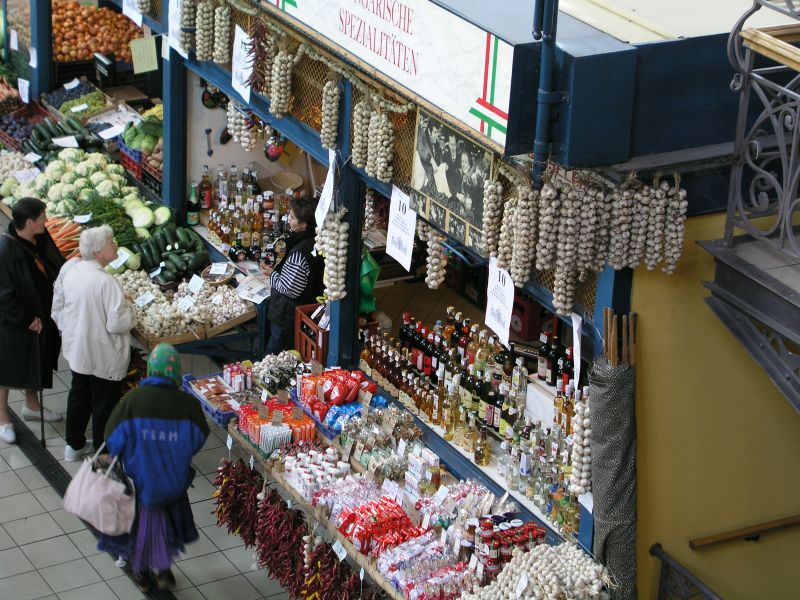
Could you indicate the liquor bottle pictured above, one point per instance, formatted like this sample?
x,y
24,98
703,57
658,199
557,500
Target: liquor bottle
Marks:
x,y
497,412
512,472
463,340
363,358
462,425
473,344
258,227
488,405
435,412
503,460
434,349
559,351
450,412
525,465
441,394
450,326
226,240
220,186
517,430
569,407
482,353
193,207
482,453
567,366
552,362
205,190
541,362
519,381
247,229
233,178
416,350
558,404
426,347
471,436
406,330
491,367
464,387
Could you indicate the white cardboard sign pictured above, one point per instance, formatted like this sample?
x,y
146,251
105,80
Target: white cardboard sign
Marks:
x,y
402,227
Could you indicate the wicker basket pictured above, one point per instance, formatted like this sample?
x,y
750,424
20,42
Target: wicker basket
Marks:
x,y
218,279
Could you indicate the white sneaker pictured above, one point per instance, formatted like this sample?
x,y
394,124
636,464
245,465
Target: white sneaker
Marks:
x,y
7,433
33,415
72,455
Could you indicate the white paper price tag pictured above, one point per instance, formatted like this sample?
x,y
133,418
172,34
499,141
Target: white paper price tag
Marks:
x,y
473,562
217,299
24,88
440,494
443,537
264,396
31,157
34,58
218,269
522,584
195,284
122,256
13,40
130,10
111,132
401,230
401,448
339,550
499,301
186,303
252,461
480,570
229,442
587,501
82,219
25,175
155,273
426,521
241,63
324,203
145,299
71,85
79,108
68,141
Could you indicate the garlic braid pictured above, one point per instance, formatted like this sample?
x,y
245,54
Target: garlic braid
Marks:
x,y
506,242
331,94
492,215
523,247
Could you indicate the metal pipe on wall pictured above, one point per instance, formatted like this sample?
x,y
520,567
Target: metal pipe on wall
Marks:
x,y
545,20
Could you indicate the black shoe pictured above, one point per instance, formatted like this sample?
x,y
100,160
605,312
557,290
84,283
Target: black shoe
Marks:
x,y
141,581
166,580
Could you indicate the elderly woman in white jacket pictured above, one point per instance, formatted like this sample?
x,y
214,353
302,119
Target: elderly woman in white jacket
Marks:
x,y
95,320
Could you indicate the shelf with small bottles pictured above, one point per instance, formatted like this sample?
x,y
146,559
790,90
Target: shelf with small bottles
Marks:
x,y
524,424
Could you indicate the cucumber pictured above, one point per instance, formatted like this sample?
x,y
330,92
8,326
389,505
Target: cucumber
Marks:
x,y
198,261
187,257
180,266
168,274
197,241
160,278
75,125
158,237
170,236
148,255
52,127
183,236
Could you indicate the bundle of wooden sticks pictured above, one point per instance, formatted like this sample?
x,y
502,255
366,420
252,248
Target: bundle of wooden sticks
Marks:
x,y
619,339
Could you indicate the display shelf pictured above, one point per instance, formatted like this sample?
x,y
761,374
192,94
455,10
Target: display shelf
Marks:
x,y
245,445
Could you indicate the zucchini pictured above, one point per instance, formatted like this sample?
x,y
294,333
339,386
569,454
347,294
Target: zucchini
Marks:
x,y
180,266
159,240
198,242
198,261
160,278
148,255
52,127
168,274
75,125
170,236
183,236
187,257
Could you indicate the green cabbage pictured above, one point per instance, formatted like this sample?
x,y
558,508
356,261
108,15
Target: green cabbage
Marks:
x,y
162,215
143,233
131,206
8,187
143,217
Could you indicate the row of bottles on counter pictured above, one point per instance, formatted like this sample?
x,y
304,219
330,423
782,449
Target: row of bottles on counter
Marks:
x,y
462,379
246,222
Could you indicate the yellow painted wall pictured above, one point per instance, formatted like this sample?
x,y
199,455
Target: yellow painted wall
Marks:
x,y
719,445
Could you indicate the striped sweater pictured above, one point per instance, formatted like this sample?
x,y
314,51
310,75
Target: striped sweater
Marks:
x,y
293,277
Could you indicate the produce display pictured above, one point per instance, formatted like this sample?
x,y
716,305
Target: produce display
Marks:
x,y
84,106
61,94
181,250
144,135
9,98
10,162
41,140
65,233
79,31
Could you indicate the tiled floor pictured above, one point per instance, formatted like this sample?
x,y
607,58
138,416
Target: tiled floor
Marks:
x,y
47,553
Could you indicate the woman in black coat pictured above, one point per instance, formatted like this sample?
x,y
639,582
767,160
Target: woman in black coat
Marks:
x,y
29,264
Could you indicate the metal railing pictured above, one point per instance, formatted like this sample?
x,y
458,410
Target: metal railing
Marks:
x,y
676,582
764,194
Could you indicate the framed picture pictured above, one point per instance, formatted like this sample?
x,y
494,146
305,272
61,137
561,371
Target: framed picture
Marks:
x,y
437,215
450,170
419,204
475,241
456,228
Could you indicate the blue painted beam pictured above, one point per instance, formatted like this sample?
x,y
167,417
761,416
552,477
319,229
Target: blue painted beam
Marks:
x,y
42,40
174,189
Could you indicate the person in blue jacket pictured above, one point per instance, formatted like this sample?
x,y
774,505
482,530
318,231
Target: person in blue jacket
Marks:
x,y
156,429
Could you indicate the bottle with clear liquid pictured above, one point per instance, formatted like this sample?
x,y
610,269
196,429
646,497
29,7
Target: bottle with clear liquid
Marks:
x,y
482,453
519,381
505,456
525,465
450,413
512,471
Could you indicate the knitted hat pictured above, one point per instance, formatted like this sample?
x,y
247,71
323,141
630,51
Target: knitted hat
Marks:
x,y
164,361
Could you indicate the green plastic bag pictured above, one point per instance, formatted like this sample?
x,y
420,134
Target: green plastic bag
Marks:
x,y
370,270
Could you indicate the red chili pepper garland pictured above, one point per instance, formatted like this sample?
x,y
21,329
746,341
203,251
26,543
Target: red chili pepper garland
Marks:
x,y
237,488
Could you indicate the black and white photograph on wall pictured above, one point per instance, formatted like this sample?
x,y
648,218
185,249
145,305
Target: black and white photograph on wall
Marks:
x,y
450,169
456,228
419,204
437,215
475,241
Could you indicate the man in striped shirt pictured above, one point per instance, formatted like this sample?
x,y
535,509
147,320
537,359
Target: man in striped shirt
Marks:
x,y
297,279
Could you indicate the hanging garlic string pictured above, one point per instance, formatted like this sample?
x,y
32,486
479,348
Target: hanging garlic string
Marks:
x,y
187,21
380,147
656,225
505,246
331,242
675,226
331,92
360,142
204,31
436,261
369,209
492,215
640,216
222,35
523,246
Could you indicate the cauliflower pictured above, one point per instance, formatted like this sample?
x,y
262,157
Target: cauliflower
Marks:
x,y
98,159
55,169
54,193
68,191
127,190
86,168
8,187
86,194
114,168
69,177
118,179
23,191
97,178
71,154
107,189
81,183
42,183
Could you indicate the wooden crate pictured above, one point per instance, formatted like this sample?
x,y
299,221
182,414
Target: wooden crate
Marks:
x,y
211,332
309,345
151,341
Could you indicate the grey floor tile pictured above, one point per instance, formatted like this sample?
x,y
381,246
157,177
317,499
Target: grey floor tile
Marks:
x,y
267,587
32,479
4,466
181,580
205,569
68,522
96,591
189,594
24,587
20,506
13,562
207,461
70,575
48,498
202,489
6,541
51,552
57,402
212,442
50,432
242,558
105,567
201,547
85,541
221,538
15,458
11,484
63,365
124,588
59,385
33,529
203,512
233,587
281,596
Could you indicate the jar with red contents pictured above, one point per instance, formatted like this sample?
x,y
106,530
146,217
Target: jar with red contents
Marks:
x,y
507,547
493,568
494,547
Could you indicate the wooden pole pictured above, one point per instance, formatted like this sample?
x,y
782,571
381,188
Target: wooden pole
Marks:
x,y
625,356
634,333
